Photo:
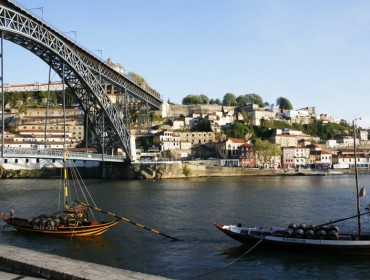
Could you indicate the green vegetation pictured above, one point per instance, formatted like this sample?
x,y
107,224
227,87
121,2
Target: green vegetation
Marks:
x,y
325,130
186,171
284,103
204,125
167,154
229,100
146,142
250,98
23,100
266,151
215,101
192,99
238,129
137,78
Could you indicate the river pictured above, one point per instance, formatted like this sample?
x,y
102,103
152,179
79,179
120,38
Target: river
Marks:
x,y
184,208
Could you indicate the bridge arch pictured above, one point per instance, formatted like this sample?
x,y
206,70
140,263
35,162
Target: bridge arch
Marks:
x,y
81,71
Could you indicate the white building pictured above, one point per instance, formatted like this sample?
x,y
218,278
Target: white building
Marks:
x,y
295,157
167,141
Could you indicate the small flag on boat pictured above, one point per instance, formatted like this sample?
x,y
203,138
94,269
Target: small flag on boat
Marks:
x,y
362,192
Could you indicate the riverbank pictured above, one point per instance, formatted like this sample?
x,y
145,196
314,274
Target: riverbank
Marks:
x,y
191,170
46,266
175,170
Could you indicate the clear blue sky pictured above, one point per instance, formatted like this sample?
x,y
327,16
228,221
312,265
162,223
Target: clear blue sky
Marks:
x,y
315,53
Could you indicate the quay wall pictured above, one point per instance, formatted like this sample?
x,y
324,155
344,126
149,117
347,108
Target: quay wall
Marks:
x,y
186,170
46,266
190,170
165,171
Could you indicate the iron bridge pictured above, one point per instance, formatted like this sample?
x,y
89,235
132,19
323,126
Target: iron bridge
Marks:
x,y
58,154
83,72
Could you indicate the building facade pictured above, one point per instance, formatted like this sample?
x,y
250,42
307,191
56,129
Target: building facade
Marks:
x,y
247,156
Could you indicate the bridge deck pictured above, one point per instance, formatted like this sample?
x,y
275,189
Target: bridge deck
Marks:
x,y
58,154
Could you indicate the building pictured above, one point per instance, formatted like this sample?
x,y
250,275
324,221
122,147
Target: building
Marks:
x,y
346,159
322,159
34,119
197,137
285,140
53,86
295,157
291,138
228,149
247,157
167,141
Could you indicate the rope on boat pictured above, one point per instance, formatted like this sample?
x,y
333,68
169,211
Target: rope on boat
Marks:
x,y
254,246
129,221
342,219
230,263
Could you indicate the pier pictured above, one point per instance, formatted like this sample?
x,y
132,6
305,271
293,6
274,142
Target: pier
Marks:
x,y
46,266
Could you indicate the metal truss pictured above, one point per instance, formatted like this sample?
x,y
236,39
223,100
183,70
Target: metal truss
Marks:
x,y
81,70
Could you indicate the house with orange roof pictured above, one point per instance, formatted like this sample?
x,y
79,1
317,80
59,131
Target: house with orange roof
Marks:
x,y
228,149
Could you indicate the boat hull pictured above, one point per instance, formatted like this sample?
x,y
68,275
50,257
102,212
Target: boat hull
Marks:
x,y
93,229
340,246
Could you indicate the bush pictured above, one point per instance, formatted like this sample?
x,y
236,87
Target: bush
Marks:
x,y
186,171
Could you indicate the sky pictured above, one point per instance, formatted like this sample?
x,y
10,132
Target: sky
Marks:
x,y
314,53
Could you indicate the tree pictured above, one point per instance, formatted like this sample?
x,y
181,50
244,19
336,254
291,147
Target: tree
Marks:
x,y
255,99
238,129
204,125
146,142
137,78
229,100
167,154
192,99
284,103
40,95
204,99
266,151
188,100
250,98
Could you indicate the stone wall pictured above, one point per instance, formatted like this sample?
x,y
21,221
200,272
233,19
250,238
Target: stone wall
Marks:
x,y
177,110
188,170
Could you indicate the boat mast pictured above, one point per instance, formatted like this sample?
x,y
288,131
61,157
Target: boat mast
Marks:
x,y
357,188
2,95
65,185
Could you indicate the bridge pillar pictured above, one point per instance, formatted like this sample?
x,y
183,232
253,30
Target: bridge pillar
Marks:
x,y
133,147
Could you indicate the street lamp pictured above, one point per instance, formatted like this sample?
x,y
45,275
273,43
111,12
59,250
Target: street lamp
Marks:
x,y
74,32
356,174
101,53
41,9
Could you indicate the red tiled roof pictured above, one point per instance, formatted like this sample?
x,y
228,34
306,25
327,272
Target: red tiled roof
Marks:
x,y
236,140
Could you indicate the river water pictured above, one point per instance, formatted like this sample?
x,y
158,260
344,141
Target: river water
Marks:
x,y
184,208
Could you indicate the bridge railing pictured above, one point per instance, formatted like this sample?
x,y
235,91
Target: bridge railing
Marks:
x,y
58,154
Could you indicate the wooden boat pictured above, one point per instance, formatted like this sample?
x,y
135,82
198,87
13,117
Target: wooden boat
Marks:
x,y
325,238
73,220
